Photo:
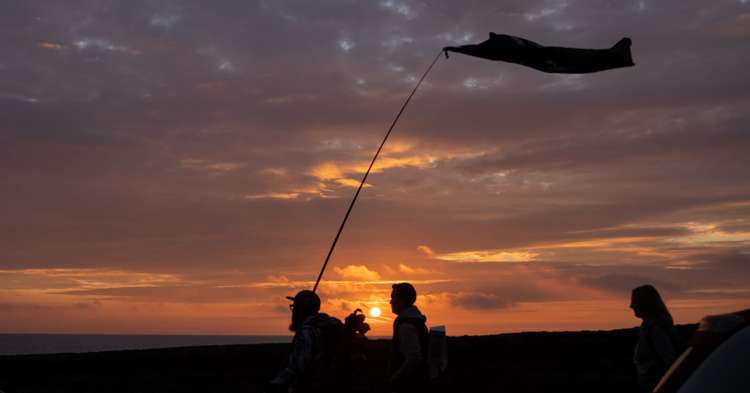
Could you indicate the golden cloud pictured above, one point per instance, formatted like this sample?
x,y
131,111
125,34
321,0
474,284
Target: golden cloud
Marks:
x,y
274,195
50,45
496,256
357,273
397,154
403,268
327,171
89,278
426,250
706,234
351,183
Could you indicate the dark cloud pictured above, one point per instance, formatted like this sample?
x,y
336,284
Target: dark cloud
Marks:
x,y
705,274
732,266
624,283
480,301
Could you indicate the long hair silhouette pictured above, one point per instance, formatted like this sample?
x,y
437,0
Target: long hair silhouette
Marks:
x,y
650,305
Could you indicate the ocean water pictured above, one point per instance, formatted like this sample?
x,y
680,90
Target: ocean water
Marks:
x,y
22,344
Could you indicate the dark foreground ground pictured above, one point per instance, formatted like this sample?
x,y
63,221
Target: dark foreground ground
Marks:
x,y
595,361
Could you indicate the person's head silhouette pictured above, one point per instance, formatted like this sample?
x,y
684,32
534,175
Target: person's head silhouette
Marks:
x,y
403,296
648,305
304,304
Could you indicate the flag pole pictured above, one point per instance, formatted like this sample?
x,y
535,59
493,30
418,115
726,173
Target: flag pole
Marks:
x,y
374,158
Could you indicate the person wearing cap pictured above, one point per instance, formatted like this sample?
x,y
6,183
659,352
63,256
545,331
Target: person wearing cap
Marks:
x,y
408,365
307,369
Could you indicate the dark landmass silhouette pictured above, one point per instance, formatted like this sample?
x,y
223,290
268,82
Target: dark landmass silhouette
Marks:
x,y
586,361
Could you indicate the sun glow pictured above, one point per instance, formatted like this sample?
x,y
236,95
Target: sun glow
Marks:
x,y
375,312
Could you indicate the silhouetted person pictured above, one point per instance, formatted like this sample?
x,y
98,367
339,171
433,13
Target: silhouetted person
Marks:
x,y
655,351
408,365
309,368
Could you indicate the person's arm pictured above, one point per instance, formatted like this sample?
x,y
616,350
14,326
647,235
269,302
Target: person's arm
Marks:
x,y
662,345
410,348
302,353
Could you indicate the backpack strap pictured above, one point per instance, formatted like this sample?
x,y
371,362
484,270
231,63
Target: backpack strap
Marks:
x,y
422,374
420,325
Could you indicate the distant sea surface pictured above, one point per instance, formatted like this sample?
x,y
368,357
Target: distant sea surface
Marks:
x,y
22,344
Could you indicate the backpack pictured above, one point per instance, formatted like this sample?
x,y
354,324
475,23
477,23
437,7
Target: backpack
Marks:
x,y
341,345
437,352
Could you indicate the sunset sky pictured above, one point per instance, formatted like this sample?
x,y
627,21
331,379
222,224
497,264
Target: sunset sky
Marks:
x,y
179,167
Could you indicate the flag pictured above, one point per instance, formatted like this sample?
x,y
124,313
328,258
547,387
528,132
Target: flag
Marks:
x,y
554,59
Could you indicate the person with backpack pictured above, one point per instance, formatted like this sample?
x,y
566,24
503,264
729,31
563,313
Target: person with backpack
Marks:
x,y
313,361
408,366
658,342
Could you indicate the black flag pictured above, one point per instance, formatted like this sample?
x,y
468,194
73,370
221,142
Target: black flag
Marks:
x,y
502,47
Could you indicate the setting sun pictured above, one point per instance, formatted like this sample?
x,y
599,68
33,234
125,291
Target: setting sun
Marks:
x,y
374,312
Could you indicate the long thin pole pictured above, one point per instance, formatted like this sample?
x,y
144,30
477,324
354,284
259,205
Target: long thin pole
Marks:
x,y
364,178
